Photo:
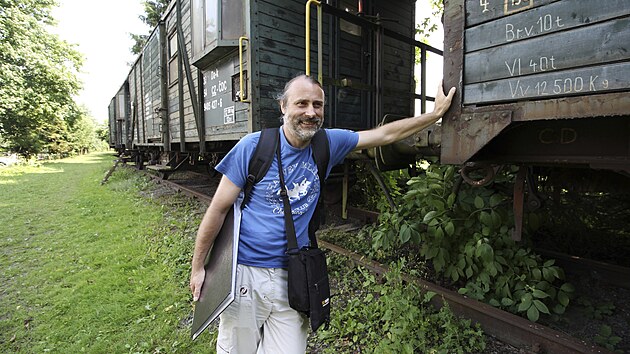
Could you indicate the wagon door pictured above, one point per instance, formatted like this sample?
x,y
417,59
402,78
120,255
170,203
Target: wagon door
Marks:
x,y
371,70
150,91
371,61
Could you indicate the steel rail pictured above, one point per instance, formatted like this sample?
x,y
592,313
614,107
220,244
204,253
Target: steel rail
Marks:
x,y
180,188
610,273
505,326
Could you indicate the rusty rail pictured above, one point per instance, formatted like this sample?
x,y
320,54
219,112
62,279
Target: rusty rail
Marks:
x,y
180,188
505,326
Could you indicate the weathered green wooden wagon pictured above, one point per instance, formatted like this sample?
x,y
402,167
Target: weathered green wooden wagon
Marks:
x,y
210,72
540,82
543,84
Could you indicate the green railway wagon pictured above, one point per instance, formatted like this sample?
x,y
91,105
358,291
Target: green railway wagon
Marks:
x,y
211,70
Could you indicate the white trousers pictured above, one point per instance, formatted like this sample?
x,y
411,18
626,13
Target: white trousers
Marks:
x,y
260,319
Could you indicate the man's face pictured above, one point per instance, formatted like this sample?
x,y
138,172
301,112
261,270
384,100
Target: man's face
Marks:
x,y
303,112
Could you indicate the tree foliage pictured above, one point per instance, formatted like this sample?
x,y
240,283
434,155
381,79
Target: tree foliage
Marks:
x,y
38,78
153,11
84,134
38,82
429,24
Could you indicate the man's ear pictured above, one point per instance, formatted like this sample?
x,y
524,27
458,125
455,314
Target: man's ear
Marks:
x,y
282,108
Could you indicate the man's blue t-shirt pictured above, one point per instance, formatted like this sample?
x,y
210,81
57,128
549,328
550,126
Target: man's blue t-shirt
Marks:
x,y
263,242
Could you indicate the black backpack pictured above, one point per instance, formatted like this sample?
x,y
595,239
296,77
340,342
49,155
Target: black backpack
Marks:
x,y
263,156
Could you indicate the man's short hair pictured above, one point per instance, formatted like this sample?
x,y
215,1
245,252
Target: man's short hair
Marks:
x,y
282,98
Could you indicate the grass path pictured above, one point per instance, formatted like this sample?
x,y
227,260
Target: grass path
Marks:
x,y
91,268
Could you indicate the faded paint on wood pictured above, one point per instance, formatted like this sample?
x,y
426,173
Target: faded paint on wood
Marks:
x,y
478,11
532,53
573,140
593,45
218,107
587,80
543,20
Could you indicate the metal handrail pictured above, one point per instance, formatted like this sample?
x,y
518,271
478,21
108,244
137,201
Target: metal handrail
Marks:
x,y
242,97
319,39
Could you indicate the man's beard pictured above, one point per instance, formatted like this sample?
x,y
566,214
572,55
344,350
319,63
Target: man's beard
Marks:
x,y
302,133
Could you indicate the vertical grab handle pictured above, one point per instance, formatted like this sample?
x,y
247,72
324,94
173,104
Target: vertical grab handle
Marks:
x,y
319,39
242,97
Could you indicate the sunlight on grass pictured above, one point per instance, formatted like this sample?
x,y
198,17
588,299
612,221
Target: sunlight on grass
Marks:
x,y
91,268
21,170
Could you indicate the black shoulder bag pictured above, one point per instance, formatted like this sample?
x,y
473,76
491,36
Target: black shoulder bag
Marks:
x,y
309,290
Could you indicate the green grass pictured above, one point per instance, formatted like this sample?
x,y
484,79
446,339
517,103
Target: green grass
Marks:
x,y
94,268
91,268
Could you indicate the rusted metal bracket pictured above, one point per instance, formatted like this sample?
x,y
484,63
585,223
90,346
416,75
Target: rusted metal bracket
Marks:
x,y
382,184
394,156
463,136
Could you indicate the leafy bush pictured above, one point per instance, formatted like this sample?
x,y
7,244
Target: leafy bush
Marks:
x,y
467,236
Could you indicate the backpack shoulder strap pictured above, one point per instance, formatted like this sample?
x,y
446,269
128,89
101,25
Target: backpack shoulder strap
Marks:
x,y
261,160
321,153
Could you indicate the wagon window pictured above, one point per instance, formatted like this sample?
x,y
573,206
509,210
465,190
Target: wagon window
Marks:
x,y
211,22
346,26
234,11
216,28
172,46
172,59
121,106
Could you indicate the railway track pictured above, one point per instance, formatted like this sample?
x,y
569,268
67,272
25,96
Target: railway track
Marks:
x,y
502,325
506,327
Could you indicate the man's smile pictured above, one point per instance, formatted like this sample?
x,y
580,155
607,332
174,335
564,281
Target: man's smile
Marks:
x,y
310,122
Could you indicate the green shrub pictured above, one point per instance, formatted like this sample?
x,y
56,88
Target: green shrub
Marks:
x,y
396,317
466,234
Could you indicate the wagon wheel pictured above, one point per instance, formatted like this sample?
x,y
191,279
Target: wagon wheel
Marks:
x,y
139,161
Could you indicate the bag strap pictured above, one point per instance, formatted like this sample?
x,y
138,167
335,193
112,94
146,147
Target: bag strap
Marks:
x,y
261,160
289,226
321,155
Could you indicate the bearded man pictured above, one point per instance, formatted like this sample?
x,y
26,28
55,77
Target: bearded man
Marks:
x,y
260,319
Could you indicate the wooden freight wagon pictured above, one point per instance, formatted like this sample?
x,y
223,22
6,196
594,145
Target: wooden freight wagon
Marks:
x,y
118,124
541,82
210,72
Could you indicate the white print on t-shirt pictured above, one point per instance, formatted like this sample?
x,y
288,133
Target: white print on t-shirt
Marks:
x,y
304,193
298,190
